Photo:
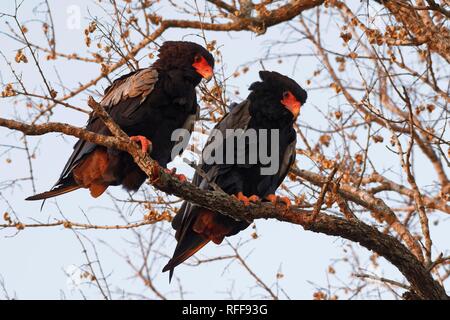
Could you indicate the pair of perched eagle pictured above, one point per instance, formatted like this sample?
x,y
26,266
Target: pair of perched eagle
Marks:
x,y
149,104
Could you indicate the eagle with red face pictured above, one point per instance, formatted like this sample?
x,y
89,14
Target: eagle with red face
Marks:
x,y
274,103
148,104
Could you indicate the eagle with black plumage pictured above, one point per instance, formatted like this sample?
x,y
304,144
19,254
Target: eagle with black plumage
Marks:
x,y
274,103
148,104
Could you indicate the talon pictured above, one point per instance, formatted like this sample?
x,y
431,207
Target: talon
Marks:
x,y
254,198
172,172
240,196
144,142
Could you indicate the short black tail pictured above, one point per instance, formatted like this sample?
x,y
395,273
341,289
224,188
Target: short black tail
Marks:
x,y
56,191
187,246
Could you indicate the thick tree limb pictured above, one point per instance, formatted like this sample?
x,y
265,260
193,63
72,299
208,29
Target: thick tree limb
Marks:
x,y
421,26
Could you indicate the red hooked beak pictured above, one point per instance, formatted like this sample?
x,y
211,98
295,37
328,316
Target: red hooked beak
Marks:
x,y
291,103
203,68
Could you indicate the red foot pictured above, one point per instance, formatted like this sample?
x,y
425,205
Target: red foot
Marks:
x,y
272,198
246,200
275,199
144,142
286,201
180,177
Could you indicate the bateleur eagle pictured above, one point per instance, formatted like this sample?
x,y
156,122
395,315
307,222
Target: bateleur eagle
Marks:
x,y
274,103
148,104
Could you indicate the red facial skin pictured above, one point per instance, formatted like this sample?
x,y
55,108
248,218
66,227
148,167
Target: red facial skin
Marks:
x,y
291,103
202,67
